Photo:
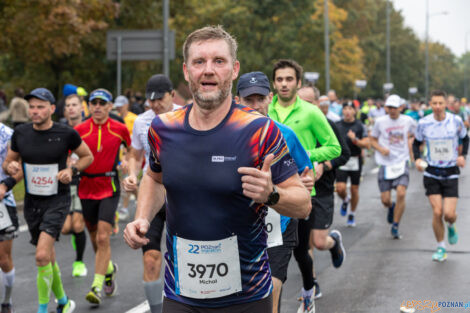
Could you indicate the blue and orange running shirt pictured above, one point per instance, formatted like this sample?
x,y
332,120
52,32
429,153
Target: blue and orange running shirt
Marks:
x,y
213,230
100,179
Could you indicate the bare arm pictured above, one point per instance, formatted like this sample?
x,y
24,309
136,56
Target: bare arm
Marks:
x,y
11,165
134,160
294,200
85,158
150,200
375,144
8,183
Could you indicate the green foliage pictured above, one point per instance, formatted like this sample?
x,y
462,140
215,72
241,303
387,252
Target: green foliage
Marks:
x,y
49,43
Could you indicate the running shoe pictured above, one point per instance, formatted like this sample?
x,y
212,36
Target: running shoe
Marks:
x,y
110,282
344,207
79,269
338,253
7,308
395,233
307,306
69,307
390,213
351,221
123,214
318,293
440,255
94,296
453,237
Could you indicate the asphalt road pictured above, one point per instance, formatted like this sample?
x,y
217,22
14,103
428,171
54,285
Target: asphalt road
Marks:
x,y
378,275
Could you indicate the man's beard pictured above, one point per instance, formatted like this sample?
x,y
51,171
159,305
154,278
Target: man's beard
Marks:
x,y
291,95
213,101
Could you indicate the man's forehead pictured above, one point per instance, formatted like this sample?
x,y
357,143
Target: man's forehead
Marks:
x,y
285,72
204,47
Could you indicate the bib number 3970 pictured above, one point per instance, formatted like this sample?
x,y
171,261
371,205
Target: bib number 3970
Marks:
x,y
207,269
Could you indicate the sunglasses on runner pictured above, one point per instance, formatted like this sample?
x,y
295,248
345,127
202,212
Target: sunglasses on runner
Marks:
x,y
99,101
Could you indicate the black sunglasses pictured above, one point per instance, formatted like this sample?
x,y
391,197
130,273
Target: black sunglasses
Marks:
x,y
99,101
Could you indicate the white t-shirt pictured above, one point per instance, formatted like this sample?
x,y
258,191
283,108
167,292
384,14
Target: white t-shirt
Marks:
x,y
442,138
140,132
393,135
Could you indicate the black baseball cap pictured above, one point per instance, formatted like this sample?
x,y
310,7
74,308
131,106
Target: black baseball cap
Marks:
x,y
42,94
253,83
157,86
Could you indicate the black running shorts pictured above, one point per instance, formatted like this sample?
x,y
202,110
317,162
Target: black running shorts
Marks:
x,y
260,306
321,216
46,214
448,188
100,210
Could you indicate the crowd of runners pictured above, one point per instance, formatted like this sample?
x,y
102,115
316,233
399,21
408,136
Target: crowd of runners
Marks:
x,y
255,173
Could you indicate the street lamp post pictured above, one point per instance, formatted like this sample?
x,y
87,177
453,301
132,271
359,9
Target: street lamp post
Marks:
x,y
388,43
327,48
465,65
426,65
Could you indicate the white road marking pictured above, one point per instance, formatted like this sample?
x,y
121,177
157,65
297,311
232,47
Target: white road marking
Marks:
x,y
374,170
23,228
141,308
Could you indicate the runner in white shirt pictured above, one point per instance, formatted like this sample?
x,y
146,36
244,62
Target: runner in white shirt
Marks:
x,y
441,131
389,137
159,93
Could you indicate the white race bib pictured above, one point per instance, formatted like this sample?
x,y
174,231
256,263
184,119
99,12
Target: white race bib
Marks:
x,y
395,171
207,269
273,227
441,150
5,220
351,165
41,179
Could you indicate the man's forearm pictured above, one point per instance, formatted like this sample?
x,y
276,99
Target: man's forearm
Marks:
x,y
294,200
150,199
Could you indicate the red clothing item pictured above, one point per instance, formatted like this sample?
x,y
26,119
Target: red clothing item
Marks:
x,y
104,141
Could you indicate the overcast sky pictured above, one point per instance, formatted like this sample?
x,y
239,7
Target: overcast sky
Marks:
x,y
448,29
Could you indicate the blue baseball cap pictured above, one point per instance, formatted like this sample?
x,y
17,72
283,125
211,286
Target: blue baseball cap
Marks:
x,y
102,94
253,83
42,94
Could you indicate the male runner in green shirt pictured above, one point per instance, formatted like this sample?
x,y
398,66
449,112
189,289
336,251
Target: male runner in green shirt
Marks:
x,y
312,128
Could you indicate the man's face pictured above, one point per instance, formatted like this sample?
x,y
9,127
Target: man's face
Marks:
x,y
370,102
259,103
349,113
286,83
307,94
40,111
438,104
73,108
332,96
162,105
393,112
99,109
210,71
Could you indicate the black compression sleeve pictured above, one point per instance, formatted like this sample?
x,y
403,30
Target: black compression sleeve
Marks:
x,y
465,141
416,145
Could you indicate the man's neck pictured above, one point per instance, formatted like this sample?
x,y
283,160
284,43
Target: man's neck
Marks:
x,y
285,104
349,120
44,126
201,119
439,116
74,121
100,121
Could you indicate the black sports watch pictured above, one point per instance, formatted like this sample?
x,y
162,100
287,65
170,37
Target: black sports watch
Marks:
x,y
74,170
273,197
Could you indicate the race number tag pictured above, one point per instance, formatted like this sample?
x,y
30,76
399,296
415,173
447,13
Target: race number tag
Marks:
x,y
5,220
207,269
441,150
395,171
41,180
351,165
273,227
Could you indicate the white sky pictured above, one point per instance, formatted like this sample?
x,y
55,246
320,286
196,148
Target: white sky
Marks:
x,y
449,29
